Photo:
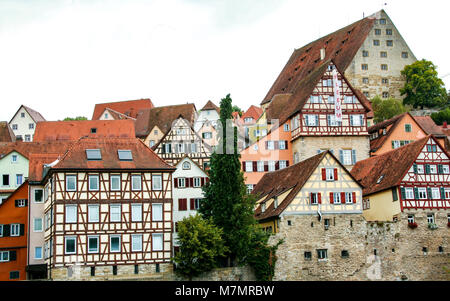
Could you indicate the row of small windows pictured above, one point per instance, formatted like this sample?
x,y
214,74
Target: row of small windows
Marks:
x,y
16,126
383,67
96,155
115,182
430,218
179,148
431,169
365,80
319,99
388,31
19,180
384,54
313,120
264,166
322,254
384,94
423,193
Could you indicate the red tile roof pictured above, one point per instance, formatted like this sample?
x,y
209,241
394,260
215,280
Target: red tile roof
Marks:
x,y
211,106
74,130
143,157
28,148
391,165
36,165
130,107
117,115
391,123
340,46
428,125
253,112
6,133
163,117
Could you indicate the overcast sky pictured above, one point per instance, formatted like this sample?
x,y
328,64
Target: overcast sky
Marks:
x,y
62,57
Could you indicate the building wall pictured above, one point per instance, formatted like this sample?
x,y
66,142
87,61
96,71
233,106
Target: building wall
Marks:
x,y
155,135
213,141
8,167
203,116
307,147
23,124
35,239
394,60
382,207
10,214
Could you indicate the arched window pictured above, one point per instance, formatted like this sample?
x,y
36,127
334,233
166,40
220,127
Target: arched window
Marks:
x,y
186,165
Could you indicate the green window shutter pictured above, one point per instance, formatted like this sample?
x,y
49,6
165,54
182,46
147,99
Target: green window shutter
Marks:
x,y
22,229
341,156
440,169
415,168
427,169
416,193
353,157
442,193
12,255
430,195
394,194
393,147
403,193
6,230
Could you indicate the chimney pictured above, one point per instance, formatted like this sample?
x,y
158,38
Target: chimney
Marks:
x,y
322,54
444,126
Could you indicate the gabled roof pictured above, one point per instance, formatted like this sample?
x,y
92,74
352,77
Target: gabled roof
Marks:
x,y
429,126
117,115
391,123
6,133
28,148
143,157
74,130
163,117
35,115
130,107
253,112
277,106
211,106
340,46
186,156
391,165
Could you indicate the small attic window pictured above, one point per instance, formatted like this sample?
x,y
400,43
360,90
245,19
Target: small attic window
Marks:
x,y
380,179
307,50
93,130
93,154
125,155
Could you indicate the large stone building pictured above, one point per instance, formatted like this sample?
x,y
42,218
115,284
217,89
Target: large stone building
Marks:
x,y
371,53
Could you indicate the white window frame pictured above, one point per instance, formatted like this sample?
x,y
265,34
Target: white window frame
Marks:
x,y
197,182
98,182
286,127
1,230
65,245
115,206
336,197
347,157
282,144
282,164
19,176
133,187
15,227
435,193
34,196
249,188
186,165
136,238
14,158
2,254
411,219
420,169
322,254
68,178
157,235
433,169
91,217
248,166
21,203
42,253
271,145
69,219
159,217
110,243
409,193
154,187
97,246
34,224
348,198
422,191
329,174
445,169
136,212
272,165
431,218
309,118
111,182
314,198
316,99
181,182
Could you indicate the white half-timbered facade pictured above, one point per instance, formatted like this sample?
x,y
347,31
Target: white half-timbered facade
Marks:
x,y
109,206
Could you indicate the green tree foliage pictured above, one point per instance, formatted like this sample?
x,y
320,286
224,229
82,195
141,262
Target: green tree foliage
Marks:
x,y
225,196
201,244
76,118
441,116
237,109
423,87
387,108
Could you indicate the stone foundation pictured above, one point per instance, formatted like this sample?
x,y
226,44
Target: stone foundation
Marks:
x,y
225,274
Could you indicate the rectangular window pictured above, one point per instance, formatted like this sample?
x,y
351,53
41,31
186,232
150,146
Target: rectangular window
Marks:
x,y
136,243
93,182
409,193
157,242
37,224
385,95
248,166
4,256
312,120
422,193
249,188
5,180
410,219
270,145
377,31
365,53
125,155
435,193
115,213
19,180
92,244
349,198
157,212
197,182
272,165
420,169
364,67
405,55
365,80
14,275
114,243
384,67
15,230
38,253
388,31
433,169
408,128
337,198
322,254
314,198
115,183
349,99
329,174
14,158
71,183
71,213
446,169
389,43
286,127
316,99
156,182
93,154
282,164
181,182
27,138
347,157
376,42
70,245
383,54
136,183
38,193
430,218
93,213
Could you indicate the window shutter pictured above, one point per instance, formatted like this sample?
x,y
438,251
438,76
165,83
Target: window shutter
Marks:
x,y
393,147
243,166
361,119
416,193
394,194
12,255
202,182
192,204
182,204
354,197
267,144
342,197
440,169
430,195
307,119
403,193
176,183
353,156
319,196
22,229
170,148
341,156
331,198
285,144
26,203
310,198
427,169
255,166
442,193
277,165
191,182
317,120
16,203
328,119
276,145
335,174
6,230
163,148
351,120
324,174
266,166
415,168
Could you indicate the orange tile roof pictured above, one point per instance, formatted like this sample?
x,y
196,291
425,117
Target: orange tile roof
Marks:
x,y
391,124
428,125
253,112
28,148
130,107
143,157
6,133
36,165
74,130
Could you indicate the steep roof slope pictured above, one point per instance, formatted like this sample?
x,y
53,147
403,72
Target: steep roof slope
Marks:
x,y
130,107
253,112
35,115
28,148
6,133
429,126
211,106
390,125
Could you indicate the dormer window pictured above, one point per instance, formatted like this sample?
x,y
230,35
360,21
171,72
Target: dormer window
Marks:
x,y
93,154
275,202
125,155
263,207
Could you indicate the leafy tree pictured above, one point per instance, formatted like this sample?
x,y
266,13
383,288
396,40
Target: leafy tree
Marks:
x,y
441,116
423,87
225,196
387,108
76,118
200,245
237,109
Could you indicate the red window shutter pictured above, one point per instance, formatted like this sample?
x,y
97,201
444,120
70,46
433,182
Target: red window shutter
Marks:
x,y
324,174
276,145
331,198
255,166
277,165
342,197
319,195
266,166
354,197
286,144
206,180
267,144
182,204
243,165
191,182
202,183
335,174
192,204
176,182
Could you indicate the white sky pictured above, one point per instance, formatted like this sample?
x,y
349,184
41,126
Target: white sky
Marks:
x,y
62,57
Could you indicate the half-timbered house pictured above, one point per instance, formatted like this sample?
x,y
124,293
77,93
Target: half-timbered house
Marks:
x,y
410,183
182,140
109,211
